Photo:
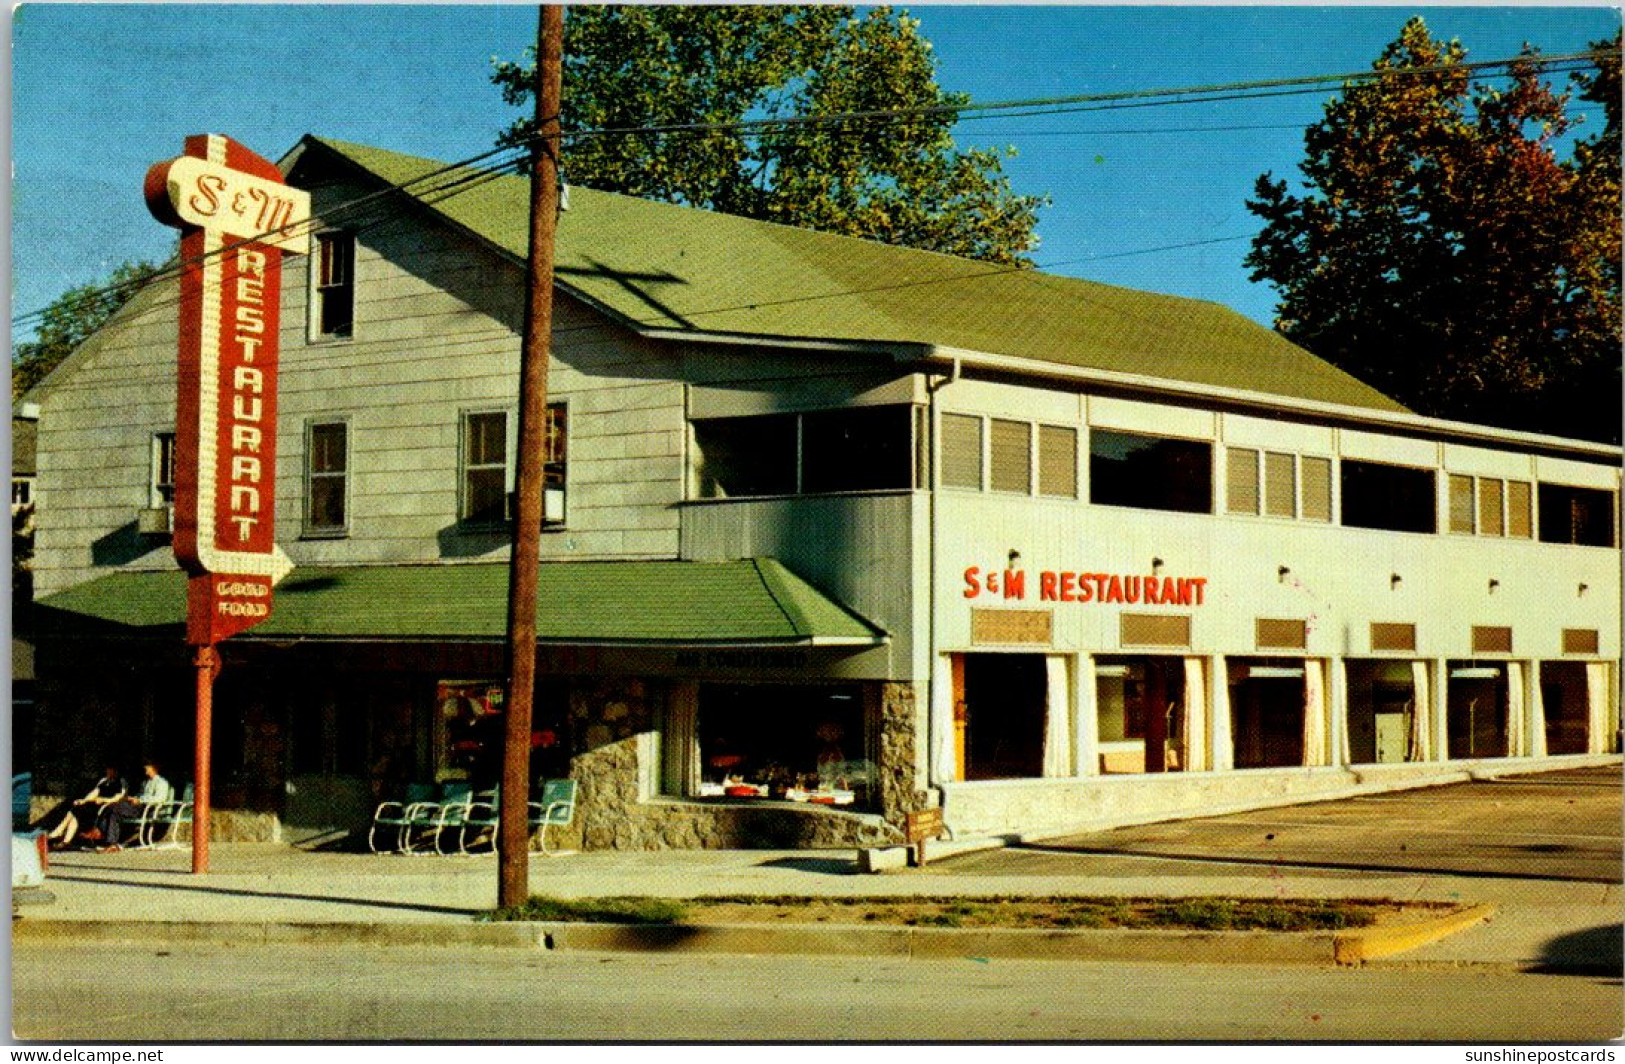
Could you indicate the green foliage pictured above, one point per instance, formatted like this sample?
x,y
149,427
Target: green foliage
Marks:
x,y
1445,253
900,181
618,910
70,318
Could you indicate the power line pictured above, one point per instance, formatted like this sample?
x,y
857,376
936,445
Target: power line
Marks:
x,y
472,176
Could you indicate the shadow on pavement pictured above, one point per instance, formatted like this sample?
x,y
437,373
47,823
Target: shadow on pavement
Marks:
x,y
235,892
826,866
1597,950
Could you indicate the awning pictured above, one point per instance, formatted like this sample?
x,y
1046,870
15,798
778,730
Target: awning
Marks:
x,y
749,602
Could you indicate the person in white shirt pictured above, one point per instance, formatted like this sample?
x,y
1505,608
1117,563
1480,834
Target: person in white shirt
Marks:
x,y
155,791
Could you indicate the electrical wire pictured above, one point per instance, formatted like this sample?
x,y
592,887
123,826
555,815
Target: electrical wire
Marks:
x,y
469,175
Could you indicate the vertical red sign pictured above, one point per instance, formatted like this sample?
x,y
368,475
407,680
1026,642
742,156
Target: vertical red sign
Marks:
x,y
237,217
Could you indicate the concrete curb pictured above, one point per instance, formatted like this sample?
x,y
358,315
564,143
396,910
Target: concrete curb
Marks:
x,y
1184,947
1369,944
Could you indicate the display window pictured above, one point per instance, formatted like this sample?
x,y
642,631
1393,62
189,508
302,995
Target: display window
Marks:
x,y
1267,698
1139,706
470,730
1477,705
793,743
1382,707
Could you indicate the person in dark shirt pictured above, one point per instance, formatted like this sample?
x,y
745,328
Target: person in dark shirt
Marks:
x,y
110,788
155,791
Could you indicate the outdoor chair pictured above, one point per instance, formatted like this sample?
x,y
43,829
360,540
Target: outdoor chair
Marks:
x,y
22,794
161,822
459,816
427,817
556,809
398,815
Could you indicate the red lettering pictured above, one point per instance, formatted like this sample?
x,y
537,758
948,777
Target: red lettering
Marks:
x,y
1114,590
1150,585
1086,590
207,186
1046,587
1199,583
972,588
991,582
1069,584
1131,587
1169,594
1015,584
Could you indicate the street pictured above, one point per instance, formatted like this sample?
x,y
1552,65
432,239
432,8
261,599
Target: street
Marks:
x,y
309,993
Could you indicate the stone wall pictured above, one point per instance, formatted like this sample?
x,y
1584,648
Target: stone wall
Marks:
x,y
900,793
616,765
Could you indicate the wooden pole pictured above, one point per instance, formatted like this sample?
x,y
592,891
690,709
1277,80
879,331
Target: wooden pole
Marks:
x,y
513,835
207,662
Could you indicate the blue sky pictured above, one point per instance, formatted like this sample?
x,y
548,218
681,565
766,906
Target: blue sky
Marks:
x,y
102,91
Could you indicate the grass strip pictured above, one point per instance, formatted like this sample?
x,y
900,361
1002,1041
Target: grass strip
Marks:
x,y
1051,912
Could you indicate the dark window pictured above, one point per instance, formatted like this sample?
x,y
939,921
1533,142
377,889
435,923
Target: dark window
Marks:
x,y
1576,515
1390,497
485,468
554,466
743,456
852,449
163,468
859,449
788,742
335,284
1150,472
327,469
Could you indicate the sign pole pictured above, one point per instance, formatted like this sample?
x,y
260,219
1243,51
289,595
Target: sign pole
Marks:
x,y
208,663
513,829
237,216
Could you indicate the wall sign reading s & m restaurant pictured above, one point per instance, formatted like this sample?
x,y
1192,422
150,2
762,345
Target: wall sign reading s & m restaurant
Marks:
x,y
236,217
1065,586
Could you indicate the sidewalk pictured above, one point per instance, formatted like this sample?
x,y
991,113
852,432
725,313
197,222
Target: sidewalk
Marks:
x,y
1538,923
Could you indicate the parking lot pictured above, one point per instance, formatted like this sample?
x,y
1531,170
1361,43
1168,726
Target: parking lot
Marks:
x,y
1552,826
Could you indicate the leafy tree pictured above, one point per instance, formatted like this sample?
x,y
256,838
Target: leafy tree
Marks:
x,y
1446,254
72,317
901,180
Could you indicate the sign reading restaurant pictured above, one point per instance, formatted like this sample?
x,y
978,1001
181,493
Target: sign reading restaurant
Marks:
x,y
1063,586
236,217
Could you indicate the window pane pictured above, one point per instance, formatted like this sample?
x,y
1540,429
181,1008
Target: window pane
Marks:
x,y
1280,485
327,502
859,449
335,284
1518,520
1395,498
1241,481
486,497
327,448
1149,472
961,451
1461,504
1010,456
1576,515
1058,461
1317,488
744,456
487,439
1489,507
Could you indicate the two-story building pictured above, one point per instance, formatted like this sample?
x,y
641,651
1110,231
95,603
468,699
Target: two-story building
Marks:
x,y
834,530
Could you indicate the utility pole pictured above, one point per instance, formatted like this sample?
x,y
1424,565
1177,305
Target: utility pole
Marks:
x,y
513,836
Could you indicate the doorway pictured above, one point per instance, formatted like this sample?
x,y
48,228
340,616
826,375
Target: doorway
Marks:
x,y
1267,705
1477,710
999,704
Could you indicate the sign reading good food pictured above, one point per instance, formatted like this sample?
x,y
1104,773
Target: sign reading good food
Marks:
x,y
1064,586
237,217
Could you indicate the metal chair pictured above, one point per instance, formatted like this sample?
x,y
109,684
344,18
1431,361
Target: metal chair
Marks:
x,y
171,816
556,809
398,815
426,817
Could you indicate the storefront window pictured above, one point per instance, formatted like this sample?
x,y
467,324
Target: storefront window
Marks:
x,y
1477,709
801,744
1382,711
1267,708
1566,702
1139,704
471,730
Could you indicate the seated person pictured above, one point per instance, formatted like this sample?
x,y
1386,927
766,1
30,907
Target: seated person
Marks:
x,y
155,791
110,788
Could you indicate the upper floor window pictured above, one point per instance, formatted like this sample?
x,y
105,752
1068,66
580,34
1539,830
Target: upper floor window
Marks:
x,y
866,448
1584,516
1489,506
1278,484
1058,461
327,476
961,451
488,469
333,298
1150,472
1395,498
1010,456
485,468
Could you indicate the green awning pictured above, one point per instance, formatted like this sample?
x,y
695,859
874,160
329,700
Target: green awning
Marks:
x,y
753,601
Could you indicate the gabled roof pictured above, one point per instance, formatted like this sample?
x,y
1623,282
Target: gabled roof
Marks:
x,y
752,602
657,266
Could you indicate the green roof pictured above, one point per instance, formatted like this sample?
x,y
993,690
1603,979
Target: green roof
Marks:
x,y
751,601
660,266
